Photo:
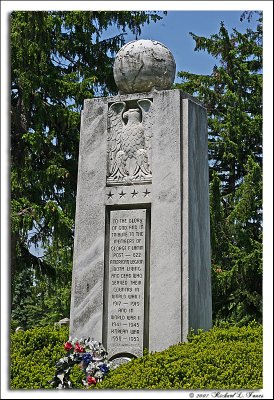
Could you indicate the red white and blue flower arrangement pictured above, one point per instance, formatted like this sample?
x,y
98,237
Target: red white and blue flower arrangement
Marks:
x,y
91,357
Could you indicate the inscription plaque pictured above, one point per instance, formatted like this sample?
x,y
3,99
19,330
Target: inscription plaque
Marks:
x,y
126,282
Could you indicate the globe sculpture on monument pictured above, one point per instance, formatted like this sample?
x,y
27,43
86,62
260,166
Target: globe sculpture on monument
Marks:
x,y
141,268
143,65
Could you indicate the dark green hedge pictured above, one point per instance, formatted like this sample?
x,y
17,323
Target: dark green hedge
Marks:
x,y
222,358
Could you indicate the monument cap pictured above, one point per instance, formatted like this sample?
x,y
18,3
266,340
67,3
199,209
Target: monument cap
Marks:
x,y
142,65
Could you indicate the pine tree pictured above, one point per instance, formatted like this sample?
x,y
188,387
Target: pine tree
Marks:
x,y
58,59
232,95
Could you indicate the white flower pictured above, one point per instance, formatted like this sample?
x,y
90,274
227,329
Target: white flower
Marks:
x,y
90,368
60,386
98,374
74,340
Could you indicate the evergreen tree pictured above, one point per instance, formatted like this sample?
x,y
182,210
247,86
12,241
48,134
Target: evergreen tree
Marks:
x,y
232,95
58,59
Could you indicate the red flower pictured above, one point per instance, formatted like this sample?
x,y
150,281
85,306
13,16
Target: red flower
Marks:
x,y
68,346
91,380
78,348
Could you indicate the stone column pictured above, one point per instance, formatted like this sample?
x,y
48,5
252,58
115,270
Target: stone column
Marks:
x,y
141,273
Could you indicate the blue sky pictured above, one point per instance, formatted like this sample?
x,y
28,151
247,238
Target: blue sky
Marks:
x,y
173,31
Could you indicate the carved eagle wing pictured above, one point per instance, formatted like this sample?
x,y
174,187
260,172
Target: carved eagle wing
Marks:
x,y
115,126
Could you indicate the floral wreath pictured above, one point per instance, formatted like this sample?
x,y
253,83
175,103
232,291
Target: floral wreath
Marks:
x,y
90,355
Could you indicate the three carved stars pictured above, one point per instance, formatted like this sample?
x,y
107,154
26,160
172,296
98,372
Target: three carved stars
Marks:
x,y
122,194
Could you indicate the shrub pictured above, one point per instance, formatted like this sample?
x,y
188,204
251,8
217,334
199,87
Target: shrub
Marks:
x,y
34,353
226,357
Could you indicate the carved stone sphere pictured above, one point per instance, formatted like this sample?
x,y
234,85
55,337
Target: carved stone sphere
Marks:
x,y
142,65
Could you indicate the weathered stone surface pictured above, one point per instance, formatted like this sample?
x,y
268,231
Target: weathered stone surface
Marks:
x,y
142,65
175,287
88,266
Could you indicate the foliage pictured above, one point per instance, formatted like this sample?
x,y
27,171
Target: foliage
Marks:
x,y
33,355
232,95
38,302
226,357
237,290
58,59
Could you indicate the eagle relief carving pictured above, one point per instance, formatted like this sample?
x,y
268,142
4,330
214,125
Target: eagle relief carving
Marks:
x,y
129,143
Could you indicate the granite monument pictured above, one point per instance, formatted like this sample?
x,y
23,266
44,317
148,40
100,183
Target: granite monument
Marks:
x,y
141,272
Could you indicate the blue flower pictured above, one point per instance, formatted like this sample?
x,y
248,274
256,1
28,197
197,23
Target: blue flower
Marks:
x,y
104,368
86,358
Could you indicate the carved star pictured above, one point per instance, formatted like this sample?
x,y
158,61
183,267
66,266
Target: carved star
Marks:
x,y
122,194
146,193
134,193
110,195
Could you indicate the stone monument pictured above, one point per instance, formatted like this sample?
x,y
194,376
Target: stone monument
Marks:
x,y
141,273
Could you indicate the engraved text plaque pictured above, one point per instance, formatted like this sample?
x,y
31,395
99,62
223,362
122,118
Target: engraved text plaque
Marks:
x,y
126,282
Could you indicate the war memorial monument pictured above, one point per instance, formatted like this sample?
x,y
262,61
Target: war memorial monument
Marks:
x,y
141,269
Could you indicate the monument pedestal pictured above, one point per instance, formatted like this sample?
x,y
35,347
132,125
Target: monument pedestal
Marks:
x,y
141,274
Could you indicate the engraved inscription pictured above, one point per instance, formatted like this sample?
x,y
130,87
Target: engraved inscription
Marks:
x,y
129,143
126,281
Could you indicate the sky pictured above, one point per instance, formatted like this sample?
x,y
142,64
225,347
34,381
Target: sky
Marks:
x,y
202,18
173,31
